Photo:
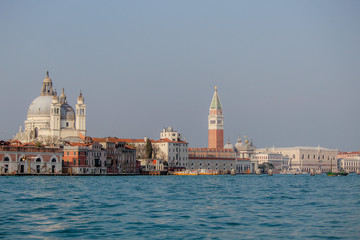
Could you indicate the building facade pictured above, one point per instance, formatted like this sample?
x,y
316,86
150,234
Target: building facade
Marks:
x,y
170,134
210,159
84,159
51,120
350,165
18,158
121,158
305,159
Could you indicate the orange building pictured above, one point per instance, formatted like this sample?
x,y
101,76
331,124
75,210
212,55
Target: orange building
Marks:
x,y
216,123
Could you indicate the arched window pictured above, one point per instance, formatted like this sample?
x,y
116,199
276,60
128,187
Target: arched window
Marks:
x,y
36,132
38,160
6,159
53,160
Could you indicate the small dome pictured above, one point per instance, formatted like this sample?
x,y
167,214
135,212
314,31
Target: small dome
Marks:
x,y
228,145
40,106
239,143
67,112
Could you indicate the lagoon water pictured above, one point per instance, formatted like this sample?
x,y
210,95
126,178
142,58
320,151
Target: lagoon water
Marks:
x,y
180,207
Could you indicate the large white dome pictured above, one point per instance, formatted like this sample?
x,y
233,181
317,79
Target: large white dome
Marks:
x,y
40,106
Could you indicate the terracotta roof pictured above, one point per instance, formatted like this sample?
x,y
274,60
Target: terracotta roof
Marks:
x,y
129,147
127,140
211,149
358,152
168,140
81,136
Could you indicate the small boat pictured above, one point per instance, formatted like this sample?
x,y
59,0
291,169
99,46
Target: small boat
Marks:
x,y
331,173
341,173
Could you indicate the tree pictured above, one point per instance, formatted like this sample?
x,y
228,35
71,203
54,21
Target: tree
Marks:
x,y
149,148
266,166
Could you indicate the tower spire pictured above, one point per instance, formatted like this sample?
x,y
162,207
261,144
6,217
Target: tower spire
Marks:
x,y
47,89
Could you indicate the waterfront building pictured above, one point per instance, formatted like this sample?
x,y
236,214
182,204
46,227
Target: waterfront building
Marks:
x,y
51,120
18,158
349,161
121,158
173,151
350,165
221,160
280,162
304,159
84,158
152,166
216,123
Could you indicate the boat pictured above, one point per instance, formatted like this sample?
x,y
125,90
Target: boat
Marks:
x,y
341,173
186,173
331,173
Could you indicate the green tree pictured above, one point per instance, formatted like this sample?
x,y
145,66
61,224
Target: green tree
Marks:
x,y
266,166
149,148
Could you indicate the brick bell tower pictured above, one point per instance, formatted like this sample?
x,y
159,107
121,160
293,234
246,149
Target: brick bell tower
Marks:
x,y
216,123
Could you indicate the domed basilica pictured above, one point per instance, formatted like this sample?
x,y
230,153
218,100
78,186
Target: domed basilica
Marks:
x,y
51,120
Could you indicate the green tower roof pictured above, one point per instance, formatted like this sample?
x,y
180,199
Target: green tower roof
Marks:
x,y
215,103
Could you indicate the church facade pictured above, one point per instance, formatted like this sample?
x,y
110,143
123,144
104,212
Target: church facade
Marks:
x,y
51,120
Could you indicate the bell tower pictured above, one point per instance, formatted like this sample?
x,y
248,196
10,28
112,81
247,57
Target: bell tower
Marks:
x,y
55,113
81,115
216,123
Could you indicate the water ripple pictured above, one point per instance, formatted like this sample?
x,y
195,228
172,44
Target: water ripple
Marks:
x,y
181,207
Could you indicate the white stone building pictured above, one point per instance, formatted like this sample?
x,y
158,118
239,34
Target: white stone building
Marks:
x,y
279,161
51,119
350,165
306,158
175,153
170,134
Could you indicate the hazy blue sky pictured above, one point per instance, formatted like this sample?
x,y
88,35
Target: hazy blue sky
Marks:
x,y
287,71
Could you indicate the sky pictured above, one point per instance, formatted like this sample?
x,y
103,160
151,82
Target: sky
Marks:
x,y
287,72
